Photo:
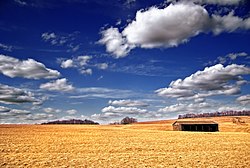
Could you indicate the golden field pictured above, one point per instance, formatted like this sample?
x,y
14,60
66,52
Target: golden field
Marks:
x,y
148,144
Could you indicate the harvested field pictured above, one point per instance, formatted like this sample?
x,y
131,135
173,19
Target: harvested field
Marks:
x,y
120,146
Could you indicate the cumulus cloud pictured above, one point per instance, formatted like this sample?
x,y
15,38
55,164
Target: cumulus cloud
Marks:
x,y
58,85
214,80
25,116
123,110
128,103
83,60
83,64
30,69
171,26
79,62
12,114
115,42
245,99
67,63
12,95
185,108
228,23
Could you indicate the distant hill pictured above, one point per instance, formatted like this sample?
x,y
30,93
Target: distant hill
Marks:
x,y
72,121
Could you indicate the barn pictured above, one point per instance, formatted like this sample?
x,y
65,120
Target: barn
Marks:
x,y
205,126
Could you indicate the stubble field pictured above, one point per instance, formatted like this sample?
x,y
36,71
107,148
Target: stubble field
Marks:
x,y
140,145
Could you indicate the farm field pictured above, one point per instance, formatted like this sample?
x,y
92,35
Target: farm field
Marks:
x,y
138,145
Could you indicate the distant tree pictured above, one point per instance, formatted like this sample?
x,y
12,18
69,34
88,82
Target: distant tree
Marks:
x,y
128,120
73,121
115,123
216,114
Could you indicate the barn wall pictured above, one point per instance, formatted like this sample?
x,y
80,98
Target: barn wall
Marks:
x,y
196,127
176,127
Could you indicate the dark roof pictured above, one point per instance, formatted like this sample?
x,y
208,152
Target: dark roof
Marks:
x,y
194,122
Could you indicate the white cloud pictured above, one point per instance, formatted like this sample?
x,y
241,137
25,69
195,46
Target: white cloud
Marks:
x,y
58,85
128,103
173,108
12,95
106,93
102,66
6,47
172,25
147,68
115,43
229,58
83,60
16,112
106,116
83,64
31,69
233,56
48,36
175,92
51,110
20,2
9,115
168,27
218,2
185,108
129,3
86,71
71,112
231,108
13,114
101,77
123,110
245,99
214,80
67,63
4,109
228,23
119,21
39,117
66,40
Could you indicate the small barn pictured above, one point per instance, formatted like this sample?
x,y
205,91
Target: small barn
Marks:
x,y
204,126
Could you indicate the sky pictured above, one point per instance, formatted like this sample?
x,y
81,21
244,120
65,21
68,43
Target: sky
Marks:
x,y
105,60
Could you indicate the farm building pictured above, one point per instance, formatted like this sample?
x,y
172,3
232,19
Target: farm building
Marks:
x,y
206,126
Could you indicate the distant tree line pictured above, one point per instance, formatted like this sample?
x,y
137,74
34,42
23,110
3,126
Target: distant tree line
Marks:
x,y
215,114
72,121
126,120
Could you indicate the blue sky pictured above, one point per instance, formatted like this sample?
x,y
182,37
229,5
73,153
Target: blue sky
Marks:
x,y
103,61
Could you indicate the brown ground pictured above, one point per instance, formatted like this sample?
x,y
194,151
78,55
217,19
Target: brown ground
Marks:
x,y
139,145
